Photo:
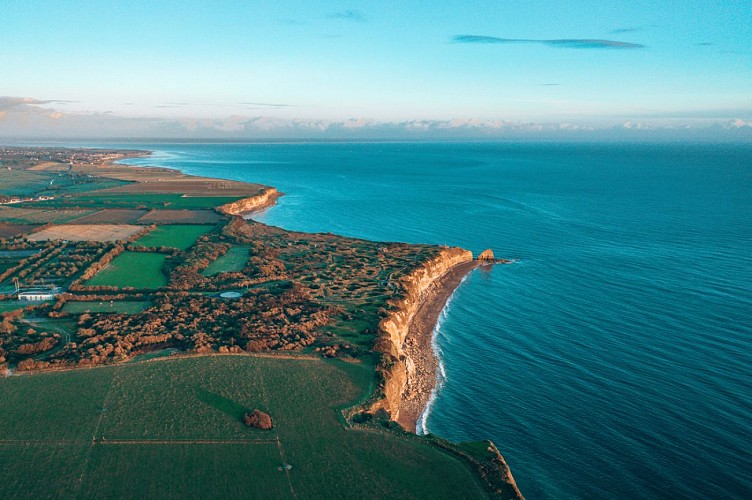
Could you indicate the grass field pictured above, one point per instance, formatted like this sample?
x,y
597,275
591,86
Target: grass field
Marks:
x,y
11,305
234,260
118,306
137,200
18,182
39,216
140,270
171,429
180,236
22,182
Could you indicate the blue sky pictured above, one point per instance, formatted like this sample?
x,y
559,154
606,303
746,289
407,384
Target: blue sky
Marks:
x,y
591,64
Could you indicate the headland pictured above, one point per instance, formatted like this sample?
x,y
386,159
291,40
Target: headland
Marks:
x,y
137,263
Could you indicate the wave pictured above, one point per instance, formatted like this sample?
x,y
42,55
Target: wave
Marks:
x,y
421,426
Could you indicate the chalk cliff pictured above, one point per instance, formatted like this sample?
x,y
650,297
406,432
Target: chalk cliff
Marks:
x,y
266,198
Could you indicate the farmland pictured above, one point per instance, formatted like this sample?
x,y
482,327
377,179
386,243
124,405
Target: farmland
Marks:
x,y
10,305
140,270
234,260
135,200
86,232
171,429
93,306
180,236
181,217
111,216
11,230
108,396
20,215
29,183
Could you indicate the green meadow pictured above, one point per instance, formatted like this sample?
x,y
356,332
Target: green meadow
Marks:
x,y
235,259
141,270
136,200
172,429
180,236
117,306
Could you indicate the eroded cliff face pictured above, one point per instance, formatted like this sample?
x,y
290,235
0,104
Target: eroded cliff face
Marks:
x,y
397,365
265,199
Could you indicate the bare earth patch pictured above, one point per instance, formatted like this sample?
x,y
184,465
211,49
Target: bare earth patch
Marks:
x,y
87,232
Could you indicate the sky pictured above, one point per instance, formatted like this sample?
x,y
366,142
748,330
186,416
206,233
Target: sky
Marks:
x,y
284,68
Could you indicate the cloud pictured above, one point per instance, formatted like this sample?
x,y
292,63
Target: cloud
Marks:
x,y
635,29
739,123
267,105
30,118
566,43
19,103
348,15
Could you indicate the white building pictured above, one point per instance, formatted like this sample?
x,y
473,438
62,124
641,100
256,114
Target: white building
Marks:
x,y
38,294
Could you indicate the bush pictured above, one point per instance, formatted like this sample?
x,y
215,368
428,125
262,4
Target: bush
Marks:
x,y
258,419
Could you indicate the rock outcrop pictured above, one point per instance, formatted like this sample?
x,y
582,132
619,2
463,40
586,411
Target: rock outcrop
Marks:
x,y
258,419
266,198
396,364
487,255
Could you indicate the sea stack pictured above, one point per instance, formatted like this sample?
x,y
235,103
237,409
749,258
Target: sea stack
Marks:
x,y
487,255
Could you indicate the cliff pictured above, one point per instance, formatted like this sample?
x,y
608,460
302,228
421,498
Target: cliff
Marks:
x,y
266,198
398,367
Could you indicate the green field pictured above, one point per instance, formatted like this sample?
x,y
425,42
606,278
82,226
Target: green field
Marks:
x,y
234,260
171,429
131,200
118,306
22,182
30,183
141,270
180,236
11,305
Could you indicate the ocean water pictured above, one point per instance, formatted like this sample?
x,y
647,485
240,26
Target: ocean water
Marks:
x,y
614,358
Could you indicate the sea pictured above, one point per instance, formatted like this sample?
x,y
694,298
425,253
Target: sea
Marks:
x,y
613,358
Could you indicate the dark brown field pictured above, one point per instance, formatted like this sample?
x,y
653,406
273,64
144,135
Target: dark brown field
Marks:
x,y
111,216
180,217
11,230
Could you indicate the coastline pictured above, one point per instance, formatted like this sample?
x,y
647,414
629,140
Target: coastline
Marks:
x,y
418,347
414,321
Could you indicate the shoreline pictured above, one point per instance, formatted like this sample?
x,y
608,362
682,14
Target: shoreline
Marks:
x,y
418,346
410,374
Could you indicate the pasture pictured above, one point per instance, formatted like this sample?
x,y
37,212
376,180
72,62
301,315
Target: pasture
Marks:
x,y
86,232
11,305
234,260
22,182
180,236
181,217
140,270
105,199
171,429
20,215
107,306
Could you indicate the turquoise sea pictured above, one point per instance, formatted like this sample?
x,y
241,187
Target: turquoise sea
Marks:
x,y
614,358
